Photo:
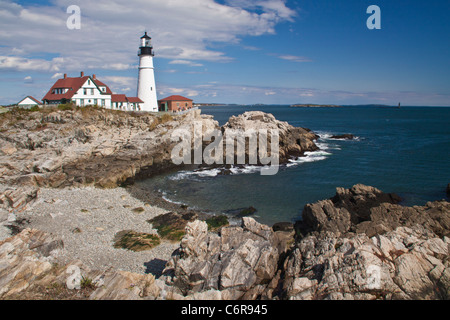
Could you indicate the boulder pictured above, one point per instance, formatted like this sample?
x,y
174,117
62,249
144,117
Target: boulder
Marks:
x,y
349,210
239,259
293,142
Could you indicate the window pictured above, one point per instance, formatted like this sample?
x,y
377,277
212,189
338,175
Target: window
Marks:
x,y
89,82
92,92
103,102
95,102
82,102
85,91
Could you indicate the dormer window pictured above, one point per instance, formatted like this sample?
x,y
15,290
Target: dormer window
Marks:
x,y
59,91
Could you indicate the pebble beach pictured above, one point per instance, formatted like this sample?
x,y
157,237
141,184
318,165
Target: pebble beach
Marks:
x,y
87,220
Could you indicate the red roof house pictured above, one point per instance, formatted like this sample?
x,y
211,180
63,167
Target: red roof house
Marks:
x,y
83,90
175,103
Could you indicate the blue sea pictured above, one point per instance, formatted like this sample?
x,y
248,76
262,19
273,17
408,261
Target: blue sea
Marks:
x,y
405,151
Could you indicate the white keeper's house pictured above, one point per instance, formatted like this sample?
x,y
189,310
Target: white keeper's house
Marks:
x,y
88,90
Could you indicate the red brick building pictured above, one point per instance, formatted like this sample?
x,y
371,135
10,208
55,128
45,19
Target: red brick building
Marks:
x,y
175,104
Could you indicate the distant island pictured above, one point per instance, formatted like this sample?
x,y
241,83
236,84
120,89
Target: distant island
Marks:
x,y
315,106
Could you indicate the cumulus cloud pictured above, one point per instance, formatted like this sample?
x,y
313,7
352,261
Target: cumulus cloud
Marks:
x,y
25,64
110,30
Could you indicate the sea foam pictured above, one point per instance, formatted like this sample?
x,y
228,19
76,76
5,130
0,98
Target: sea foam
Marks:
x,y
311,156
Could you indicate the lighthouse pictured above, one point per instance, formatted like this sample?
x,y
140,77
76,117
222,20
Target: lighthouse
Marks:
x,y
146,81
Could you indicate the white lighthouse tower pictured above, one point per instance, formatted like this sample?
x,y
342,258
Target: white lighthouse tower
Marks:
x,y
146,81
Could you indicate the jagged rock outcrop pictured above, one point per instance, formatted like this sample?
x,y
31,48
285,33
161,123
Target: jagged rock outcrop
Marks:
x,y
364,209
293,141
88,146
342,256
401,264
240,262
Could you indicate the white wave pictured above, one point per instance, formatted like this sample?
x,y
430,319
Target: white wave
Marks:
x,y
233,170
245,170
309,157
198,173
324,135
323,146
328,136
171,201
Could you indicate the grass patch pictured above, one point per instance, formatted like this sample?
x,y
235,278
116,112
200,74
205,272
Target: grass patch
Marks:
x,y
217,222
160,120
170,233
87,283
166,118
135,241
171,226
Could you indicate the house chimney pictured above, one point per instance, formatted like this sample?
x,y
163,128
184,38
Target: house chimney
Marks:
x,y
94,77
65,75
82,74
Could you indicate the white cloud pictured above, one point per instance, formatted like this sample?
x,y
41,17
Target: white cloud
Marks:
x,y
25,64
276,8
186,62
294,58
119,84
110,30
57,75
28,79
192,93
118,81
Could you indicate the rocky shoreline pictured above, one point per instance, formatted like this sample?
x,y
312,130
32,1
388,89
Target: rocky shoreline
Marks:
x,y
60,195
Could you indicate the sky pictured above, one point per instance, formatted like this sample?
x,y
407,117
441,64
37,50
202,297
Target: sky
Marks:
x,y
235,51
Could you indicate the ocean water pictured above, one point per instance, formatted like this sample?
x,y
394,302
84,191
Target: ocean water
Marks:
x,y
406,151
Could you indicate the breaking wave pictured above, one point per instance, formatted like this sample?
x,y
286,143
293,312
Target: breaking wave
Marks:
x,y
325,143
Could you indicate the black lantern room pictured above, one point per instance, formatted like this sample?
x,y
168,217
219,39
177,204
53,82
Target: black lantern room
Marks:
x,y
146,48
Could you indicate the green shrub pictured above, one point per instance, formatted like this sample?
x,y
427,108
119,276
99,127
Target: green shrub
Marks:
x,y
217,222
